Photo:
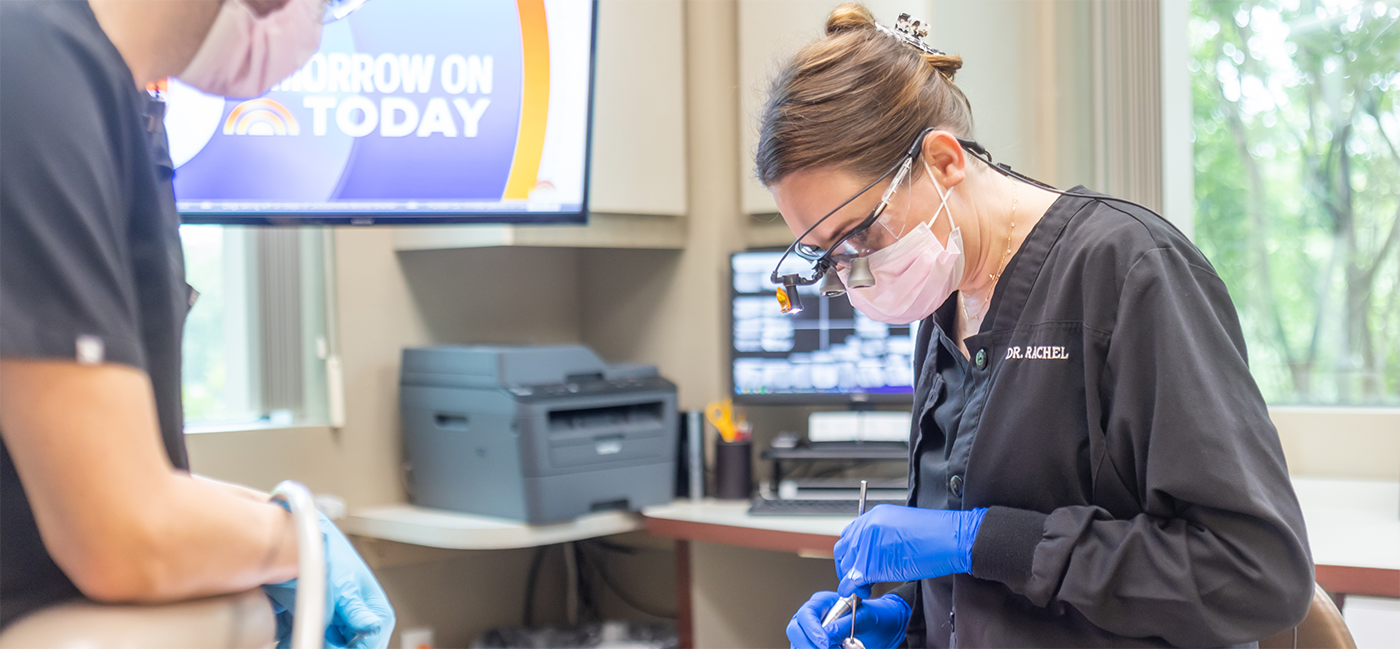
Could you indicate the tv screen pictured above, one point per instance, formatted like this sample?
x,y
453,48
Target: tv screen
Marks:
x,y
413,111
829,353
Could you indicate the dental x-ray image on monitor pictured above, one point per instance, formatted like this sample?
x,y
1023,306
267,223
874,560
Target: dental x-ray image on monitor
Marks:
x,y
827,354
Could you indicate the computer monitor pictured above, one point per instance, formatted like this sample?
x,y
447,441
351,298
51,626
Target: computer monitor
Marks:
x,y
422,111
827,354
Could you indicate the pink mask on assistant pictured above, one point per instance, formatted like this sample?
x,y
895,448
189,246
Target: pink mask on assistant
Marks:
x,y
244,55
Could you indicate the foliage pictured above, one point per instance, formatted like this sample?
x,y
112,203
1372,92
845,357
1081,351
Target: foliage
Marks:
x,y
205,370
1297,167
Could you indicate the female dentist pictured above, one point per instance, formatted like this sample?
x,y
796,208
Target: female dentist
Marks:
x,y
95,494
1091,463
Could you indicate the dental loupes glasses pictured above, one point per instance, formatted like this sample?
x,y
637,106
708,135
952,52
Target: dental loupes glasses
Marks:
x,y
824,261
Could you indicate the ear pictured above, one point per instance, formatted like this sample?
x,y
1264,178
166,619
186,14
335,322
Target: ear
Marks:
x,y
945,157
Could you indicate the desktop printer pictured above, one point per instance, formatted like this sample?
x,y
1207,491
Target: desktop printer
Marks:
x,y
535,433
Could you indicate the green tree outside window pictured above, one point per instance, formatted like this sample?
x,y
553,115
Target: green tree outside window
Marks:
x,y
1297,172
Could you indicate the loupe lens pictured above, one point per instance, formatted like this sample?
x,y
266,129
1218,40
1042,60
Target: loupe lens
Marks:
x,y
831,284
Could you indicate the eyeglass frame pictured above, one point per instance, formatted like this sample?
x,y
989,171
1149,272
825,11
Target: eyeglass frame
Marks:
x,y
824,262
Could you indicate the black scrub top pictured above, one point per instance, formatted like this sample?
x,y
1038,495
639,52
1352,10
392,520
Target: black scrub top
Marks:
x,y
91,268
1137,491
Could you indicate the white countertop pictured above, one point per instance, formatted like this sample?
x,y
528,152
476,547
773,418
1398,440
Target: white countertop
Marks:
x,y
1351,522
735,513
439,528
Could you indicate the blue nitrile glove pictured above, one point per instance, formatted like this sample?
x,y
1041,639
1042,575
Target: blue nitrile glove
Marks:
x,y
880,623
804,630
893,543
359,613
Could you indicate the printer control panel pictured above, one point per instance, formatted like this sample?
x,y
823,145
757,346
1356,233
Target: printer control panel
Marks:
x,y
589,388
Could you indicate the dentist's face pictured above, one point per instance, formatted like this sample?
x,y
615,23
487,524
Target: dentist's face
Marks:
x,y
805,196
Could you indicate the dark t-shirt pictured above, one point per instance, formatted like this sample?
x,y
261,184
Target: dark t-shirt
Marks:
x,y
91,268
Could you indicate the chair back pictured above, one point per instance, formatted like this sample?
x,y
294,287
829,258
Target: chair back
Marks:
x,y
1323,628
238,621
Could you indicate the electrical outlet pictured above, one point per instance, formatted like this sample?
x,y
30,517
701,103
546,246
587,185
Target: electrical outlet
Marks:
x,y
420,637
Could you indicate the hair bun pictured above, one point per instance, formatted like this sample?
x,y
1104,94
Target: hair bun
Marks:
x,y
944,64
849,17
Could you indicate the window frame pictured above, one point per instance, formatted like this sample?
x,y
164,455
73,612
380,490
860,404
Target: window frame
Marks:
x,y
312,330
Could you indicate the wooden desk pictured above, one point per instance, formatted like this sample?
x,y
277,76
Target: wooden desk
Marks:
x,y
1353,530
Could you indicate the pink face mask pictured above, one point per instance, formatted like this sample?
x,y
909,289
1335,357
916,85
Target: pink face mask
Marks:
x,y
913,276
244,55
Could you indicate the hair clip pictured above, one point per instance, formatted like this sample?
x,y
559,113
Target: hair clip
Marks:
x,y
912,32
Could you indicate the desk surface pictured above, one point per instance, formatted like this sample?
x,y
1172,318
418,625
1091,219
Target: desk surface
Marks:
x,y
728,522
438,528
1354,533
1353,530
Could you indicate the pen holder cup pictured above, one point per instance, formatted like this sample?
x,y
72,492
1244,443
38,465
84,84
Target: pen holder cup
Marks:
x,y
733,469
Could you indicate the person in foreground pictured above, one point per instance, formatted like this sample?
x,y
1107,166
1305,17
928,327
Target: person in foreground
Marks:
x,y
1091,463
95,495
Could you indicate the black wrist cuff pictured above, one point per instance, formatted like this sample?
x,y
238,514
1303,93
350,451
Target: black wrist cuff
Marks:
x,y
907,591
1005,545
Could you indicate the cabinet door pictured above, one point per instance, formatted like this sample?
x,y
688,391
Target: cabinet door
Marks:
x,y
639,153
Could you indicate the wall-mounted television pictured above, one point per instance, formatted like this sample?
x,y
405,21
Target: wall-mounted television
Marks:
x,y
413,111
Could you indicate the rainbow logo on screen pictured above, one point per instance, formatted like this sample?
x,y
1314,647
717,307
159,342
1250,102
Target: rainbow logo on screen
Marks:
x,y
412,110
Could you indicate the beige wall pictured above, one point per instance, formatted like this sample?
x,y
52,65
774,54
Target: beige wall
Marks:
x,y
1359,443
745,597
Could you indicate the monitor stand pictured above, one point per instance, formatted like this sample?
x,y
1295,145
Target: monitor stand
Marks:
x,y
858,404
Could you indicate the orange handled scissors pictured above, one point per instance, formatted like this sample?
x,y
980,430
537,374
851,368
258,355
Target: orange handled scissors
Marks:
x,y
721,416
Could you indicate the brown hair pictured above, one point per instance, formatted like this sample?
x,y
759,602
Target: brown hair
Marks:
x,y
855,100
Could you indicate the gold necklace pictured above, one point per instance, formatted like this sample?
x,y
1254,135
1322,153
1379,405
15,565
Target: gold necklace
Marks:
x,y
1009,230
996,277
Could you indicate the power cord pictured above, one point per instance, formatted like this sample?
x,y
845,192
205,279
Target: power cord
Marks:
x,y
587,601
599,566
531,582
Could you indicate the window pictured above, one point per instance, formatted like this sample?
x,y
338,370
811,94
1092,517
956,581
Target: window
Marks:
x,y
255,344
1297,187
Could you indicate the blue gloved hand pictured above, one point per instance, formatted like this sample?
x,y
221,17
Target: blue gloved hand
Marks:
x,y
892,543
804,630
880,623
359,613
